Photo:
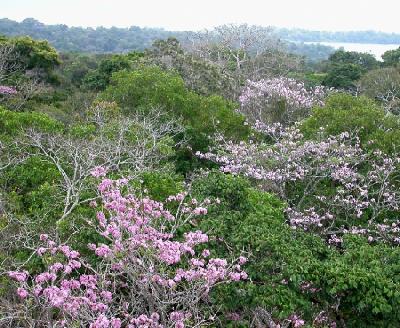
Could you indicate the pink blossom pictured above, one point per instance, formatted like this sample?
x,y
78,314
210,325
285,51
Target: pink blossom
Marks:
x,y
98,172
22,293
205,253
242,260
44,237
133,263
7,91
19,276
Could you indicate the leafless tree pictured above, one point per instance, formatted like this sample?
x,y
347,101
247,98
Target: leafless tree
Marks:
x,y
127,145
27,88
8,62
7,155
229,42
383,85
244,52
27,84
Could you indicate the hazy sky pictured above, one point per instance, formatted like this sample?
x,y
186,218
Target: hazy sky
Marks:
x,y
380,15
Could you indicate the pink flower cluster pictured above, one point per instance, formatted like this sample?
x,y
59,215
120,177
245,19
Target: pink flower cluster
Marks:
x,y
140,262
362,184
7,91
296,321
98,171
261,100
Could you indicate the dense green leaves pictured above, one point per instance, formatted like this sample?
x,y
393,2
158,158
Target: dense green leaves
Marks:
x,y
13,123
391,57
344,112
346,67
99,78
33,54
354,284
152,88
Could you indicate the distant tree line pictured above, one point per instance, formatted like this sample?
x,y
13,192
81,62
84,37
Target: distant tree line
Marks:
x,y
300,35
79,39
122,40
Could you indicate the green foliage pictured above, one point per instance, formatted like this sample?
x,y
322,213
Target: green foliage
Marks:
x,y
146,88
151,87
354,284
342,76
364,278
253,221
346,67
32,173
99,78
13,123
344,112
74,68
86,40
32,54
160,185
391,57
366,61
36,54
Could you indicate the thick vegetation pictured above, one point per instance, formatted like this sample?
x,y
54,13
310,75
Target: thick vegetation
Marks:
x,y
213,185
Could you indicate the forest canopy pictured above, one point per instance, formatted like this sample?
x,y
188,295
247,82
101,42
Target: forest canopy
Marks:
x,y
231,182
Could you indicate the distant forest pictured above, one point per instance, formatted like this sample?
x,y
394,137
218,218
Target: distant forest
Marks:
x,y
122,40
300,35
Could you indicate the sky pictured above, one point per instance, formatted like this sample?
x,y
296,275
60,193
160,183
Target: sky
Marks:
x,y
333,15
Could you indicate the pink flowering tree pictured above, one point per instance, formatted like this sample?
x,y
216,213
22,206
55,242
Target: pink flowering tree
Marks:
x,y
331,185
279,99
7,91
147,273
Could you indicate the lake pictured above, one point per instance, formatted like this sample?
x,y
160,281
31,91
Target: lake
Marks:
x,y
375,49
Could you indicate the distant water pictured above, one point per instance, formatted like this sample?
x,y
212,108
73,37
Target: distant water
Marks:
x,y
375,49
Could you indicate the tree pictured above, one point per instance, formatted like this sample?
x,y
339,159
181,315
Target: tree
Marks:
x,y
200,75
130,145
280,99
391,57
343,76
74,68
24,63
237,49
99,78
8,63
346,67
144,275
34,55
365,60
384,86
294,275
329,183
343,112
140,90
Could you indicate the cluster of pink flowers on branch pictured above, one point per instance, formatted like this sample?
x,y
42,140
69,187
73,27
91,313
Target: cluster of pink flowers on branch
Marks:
x,y
7,91
329,183
145,276
279,99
